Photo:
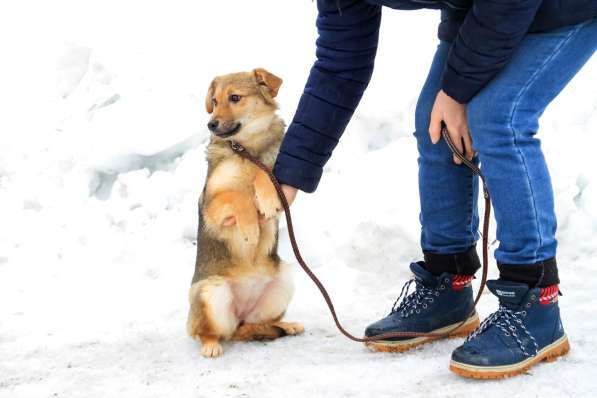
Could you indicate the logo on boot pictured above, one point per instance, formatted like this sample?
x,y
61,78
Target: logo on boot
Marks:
x,y
505,293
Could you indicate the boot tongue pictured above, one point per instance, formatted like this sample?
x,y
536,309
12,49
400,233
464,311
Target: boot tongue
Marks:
x,y
422,275
509,293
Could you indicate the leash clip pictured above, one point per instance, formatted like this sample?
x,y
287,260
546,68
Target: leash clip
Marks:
x,y
236,146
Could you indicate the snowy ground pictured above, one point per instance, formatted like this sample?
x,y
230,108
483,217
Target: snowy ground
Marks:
x,y
101,161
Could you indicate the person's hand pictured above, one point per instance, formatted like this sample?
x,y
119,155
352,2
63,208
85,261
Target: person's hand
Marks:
x,y
290,193
453,114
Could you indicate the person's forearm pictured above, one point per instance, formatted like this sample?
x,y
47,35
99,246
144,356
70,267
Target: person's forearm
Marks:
x,y
346,50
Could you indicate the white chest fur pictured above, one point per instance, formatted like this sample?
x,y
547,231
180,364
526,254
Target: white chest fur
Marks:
x,y
260,297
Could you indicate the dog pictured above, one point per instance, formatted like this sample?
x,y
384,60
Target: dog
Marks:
x,y
240,288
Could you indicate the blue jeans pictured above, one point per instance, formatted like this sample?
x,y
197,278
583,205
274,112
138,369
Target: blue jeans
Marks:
x,y
503,120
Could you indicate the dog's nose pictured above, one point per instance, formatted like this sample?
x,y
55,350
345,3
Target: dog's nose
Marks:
x,y
212,125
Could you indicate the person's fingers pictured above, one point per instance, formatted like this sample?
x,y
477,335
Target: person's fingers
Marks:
x,y
457,140
435,126
469,152
290,193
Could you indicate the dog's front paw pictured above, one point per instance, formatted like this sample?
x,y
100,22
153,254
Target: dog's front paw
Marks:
x,y
268,206
229,221
266,196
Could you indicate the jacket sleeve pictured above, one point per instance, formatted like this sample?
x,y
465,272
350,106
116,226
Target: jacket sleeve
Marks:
x,y
346,46
485,43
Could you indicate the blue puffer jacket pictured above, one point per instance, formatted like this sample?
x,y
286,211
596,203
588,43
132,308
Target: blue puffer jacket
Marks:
x,y
484,35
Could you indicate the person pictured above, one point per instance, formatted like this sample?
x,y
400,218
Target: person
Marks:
x,y
498,65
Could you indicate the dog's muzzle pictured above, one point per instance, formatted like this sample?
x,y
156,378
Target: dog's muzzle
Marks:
x,y
221,131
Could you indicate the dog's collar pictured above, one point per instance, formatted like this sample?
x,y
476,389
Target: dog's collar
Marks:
x,y
236,147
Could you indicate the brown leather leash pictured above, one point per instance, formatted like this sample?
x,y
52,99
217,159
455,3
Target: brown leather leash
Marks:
x,y
240,150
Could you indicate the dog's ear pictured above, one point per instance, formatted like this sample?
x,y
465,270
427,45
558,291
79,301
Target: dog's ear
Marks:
x,y
209,106
268,83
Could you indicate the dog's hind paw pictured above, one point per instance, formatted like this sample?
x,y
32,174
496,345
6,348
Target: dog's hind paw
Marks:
x,y
211,347
290,328
212,350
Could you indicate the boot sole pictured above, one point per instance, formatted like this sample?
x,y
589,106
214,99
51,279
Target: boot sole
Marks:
x,y
548,354
404,345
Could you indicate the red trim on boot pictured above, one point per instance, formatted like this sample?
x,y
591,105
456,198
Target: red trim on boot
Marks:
x,y
459,282
549,294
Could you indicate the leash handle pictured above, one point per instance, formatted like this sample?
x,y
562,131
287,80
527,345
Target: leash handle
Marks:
x,y
241,151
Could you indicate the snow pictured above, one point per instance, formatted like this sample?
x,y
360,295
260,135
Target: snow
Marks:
x,y
102,139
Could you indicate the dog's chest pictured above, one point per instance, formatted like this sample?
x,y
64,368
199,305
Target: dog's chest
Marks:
x,y
247,292
230,174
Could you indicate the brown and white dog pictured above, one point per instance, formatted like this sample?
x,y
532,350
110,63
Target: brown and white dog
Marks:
x,y
241,289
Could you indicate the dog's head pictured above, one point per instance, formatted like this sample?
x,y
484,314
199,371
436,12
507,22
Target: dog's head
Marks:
x,y
242,104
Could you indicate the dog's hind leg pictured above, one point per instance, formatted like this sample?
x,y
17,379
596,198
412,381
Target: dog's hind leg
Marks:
x,y
263,322
257,331
266,330
211,315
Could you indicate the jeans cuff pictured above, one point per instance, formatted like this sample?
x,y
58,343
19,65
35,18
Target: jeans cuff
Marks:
x,y
464,263
541,274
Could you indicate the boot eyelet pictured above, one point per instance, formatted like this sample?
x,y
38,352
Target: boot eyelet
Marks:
x,y
442,287
533,297
506,334
431,300
424,305
437,293
528,305
418,311
524,313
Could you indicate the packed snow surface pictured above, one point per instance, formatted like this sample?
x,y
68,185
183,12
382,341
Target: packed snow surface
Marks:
x,y
102,139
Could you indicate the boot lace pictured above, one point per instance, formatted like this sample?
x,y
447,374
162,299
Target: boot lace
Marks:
x,y
419,298
510,323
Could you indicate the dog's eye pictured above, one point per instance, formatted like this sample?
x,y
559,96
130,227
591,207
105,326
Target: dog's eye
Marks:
x,y
234,98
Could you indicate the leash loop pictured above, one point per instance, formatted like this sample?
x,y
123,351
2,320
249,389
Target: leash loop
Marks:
x,y
241,151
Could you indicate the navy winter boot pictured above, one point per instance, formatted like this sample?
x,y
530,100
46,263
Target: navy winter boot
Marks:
x,y
437,304
525,330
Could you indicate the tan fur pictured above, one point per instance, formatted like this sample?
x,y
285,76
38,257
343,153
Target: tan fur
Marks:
x,y
240,288
210,346
266,331
266,196
242,237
